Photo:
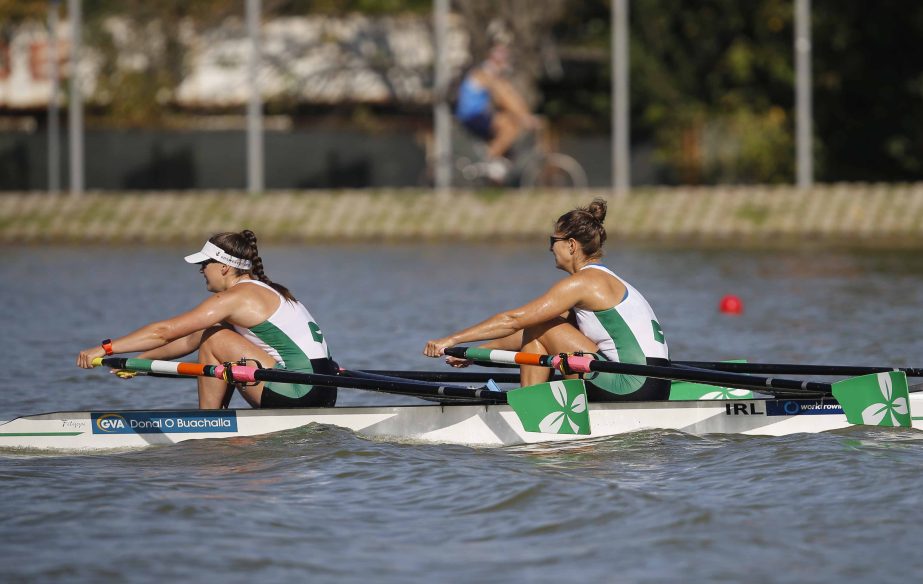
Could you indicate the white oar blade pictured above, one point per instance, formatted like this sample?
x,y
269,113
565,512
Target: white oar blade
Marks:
x,y
687,390
558,407
878,399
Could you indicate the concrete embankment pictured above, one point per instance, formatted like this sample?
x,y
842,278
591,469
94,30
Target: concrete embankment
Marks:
x,y
855,215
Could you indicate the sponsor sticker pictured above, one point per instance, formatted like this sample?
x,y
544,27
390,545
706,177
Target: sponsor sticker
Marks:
x,y
162,422
802,407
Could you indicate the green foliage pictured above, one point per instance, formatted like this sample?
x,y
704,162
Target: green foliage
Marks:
x,y
714,81
711,84
868,89
711,81
13,12
139,94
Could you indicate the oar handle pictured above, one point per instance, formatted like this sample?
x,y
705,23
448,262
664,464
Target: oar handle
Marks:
x,y
502,357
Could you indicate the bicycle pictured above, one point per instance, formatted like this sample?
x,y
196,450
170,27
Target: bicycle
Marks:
x,y
532,164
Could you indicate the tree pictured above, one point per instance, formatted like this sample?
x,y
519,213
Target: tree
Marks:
x,y
868,90
715,83
142,53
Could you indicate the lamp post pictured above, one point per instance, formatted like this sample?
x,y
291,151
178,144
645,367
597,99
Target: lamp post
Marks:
x,y
804,115
255,182
75,112
54,129
620,124
442,121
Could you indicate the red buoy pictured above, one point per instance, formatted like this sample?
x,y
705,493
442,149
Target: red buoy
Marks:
x,y
731,304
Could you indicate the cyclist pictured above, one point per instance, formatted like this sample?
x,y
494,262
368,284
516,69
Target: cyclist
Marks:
x,y
492,109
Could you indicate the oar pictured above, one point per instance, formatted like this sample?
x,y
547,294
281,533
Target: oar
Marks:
x,y
456,376
795,369
248,374
878,399
558,407
584,364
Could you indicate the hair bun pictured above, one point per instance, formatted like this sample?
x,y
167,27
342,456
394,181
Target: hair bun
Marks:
x,y
597,209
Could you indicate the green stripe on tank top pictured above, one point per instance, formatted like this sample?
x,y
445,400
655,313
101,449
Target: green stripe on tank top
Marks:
x,y
291,354
629,351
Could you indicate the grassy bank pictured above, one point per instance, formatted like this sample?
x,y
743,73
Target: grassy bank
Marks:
x,y
860,215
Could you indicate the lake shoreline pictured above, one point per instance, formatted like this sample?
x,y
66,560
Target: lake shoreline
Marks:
x,y
866,216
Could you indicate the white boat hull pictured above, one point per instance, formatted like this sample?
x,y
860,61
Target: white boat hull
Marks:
x,y
477,425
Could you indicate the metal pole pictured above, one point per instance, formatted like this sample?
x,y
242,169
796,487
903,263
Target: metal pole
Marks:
x,y
75,113
620,128
804,115
442,125
255,184
54,129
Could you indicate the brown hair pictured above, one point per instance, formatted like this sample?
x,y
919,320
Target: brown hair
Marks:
x,y
243,245
585,225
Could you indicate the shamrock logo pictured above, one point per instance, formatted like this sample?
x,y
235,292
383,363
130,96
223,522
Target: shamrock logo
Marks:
x,y
553,422
874,414
727,393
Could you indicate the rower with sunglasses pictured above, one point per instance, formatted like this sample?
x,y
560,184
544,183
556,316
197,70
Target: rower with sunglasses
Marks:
x,y
591,311
248,316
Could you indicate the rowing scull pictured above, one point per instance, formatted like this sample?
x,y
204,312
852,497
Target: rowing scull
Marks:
x,y
476,425
547,412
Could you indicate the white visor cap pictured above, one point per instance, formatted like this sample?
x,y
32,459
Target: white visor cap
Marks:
x,y
210,251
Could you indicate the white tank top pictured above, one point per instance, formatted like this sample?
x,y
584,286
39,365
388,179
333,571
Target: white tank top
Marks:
x,y
628,332
290,334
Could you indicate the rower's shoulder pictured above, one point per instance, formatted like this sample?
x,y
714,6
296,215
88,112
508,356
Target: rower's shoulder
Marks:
x,y
599,278
596,272
240,292
584,281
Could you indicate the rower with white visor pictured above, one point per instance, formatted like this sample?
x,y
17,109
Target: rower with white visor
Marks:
x,y
247,317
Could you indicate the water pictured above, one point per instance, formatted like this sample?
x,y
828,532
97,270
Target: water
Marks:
x,y
323,504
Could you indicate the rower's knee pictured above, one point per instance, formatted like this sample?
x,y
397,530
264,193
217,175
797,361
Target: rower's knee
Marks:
x,y
536,333
212,340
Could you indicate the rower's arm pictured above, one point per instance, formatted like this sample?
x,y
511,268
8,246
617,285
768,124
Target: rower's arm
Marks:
x,y
511,342
175,349
158,334
559,299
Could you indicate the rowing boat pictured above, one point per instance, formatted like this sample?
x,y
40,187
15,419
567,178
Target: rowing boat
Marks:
x,y
549,412
475,425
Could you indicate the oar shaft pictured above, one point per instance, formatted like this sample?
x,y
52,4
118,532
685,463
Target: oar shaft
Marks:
x,y
795,369
455,376
247,374
740,380
584,364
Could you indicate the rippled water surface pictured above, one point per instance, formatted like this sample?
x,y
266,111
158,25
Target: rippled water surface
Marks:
x,y
326,505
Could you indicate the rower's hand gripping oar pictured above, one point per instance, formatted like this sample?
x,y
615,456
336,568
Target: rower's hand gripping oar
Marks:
x,y
558,407
879,399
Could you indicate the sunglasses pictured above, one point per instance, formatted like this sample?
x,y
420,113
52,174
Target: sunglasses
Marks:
x,y
553,240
